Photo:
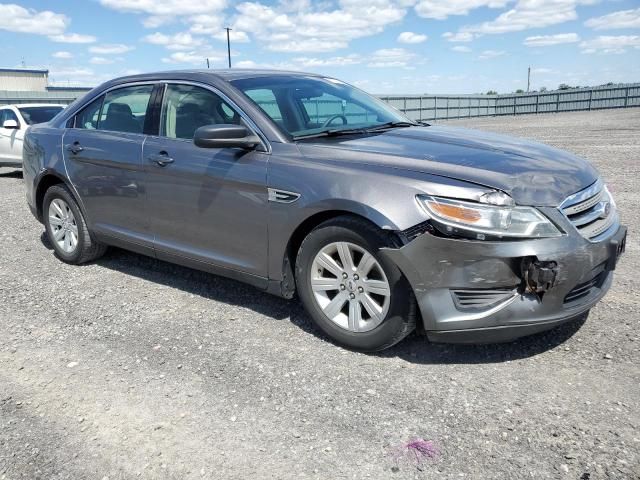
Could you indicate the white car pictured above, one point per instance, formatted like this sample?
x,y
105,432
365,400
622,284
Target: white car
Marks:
x,y
14,120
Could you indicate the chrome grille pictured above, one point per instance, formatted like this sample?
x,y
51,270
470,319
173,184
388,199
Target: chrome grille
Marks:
x,y
591,211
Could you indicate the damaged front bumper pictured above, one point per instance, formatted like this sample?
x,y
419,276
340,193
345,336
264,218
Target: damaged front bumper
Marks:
x,y
491,291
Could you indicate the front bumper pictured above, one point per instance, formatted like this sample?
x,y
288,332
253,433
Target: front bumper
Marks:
x,y
475,292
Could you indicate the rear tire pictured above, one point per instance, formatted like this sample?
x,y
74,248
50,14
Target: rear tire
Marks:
x,y
67,229
379,308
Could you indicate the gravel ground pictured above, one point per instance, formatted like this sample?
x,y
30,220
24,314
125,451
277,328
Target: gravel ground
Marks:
x,y
134,368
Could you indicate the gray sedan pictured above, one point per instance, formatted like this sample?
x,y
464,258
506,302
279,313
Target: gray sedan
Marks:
x,y
302,184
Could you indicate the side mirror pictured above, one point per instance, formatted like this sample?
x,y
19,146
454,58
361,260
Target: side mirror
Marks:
x,y
11,125
225,136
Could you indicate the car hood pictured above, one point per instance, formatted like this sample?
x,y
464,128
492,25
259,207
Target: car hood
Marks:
x,y
532,173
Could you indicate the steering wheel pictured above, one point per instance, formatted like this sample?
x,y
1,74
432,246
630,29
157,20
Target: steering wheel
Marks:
x,y
328,121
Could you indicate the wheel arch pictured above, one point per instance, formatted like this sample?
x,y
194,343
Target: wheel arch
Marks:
x,y
46,180
306,225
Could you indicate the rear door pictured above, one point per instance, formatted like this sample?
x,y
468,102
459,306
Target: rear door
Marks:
x,y
103,156
207,205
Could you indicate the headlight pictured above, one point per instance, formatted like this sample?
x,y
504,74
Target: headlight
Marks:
x,y
496,216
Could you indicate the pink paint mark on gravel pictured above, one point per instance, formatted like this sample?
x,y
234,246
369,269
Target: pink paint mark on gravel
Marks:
x,y
415,452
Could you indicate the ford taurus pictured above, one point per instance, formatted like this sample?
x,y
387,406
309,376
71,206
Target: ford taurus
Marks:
x,y
302,184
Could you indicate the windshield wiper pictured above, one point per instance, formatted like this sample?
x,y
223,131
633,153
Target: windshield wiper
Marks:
x,y
332,132
396,124
336,132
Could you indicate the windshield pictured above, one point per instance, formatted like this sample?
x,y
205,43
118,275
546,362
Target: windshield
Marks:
x,y
306,106
33,115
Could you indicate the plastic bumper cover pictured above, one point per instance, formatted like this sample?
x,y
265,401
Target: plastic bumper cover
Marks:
x,y
438,267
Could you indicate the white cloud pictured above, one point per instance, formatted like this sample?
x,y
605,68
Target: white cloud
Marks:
x,y
320,27
527,14
621,19
328,62
410,37
72,38
110,49
610,44
489,54
18,19
165,8
54,25
461,49
391,57
199,14
179,41
235,36
440,9
101,61
62,55
548,40
458,36
196,57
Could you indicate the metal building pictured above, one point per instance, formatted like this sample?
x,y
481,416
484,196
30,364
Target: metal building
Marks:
x,y
22,85
24,80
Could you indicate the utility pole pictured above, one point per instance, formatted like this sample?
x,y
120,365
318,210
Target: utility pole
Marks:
x,y
528,79
228,45
208,63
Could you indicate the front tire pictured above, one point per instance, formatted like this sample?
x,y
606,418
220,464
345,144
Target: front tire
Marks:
x,y
352,293
67,229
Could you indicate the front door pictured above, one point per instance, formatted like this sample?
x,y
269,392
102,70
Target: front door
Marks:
x,y
103,156
207,205
11,139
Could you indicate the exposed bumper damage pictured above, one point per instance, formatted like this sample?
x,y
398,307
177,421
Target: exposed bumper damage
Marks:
x,y
480,291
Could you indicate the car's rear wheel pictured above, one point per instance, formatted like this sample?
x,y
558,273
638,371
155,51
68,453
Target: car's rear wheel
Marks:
x,y
66,227
355,295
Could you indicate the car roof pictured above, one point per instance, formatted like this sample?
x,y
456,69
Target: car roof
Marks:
x,y
22,105
227,75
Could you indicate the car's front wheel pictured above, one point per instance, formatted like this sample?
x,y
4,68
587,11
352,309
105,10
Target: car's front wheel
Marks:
x,y
355,295
66,227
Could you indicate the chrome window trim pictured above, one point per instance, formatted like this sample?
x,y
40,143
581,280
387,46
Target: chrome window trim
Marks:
x,y
103,93
265,142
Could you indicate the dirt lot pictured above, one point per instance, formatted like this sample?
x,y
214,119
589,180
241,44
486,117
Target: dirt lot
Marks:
x,y
133,368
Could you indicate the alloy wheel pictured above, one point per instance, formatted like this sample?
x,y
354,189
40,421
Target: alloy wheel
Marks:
x,y
63,225
350,286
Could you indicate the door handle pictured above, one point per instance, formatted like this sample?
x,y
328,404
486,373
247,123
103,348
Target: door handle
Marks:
x,y
75,148
162,159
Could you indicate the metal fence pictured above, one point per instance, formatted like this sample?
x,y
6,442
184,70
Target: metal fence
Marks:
x,y
443,107
431,107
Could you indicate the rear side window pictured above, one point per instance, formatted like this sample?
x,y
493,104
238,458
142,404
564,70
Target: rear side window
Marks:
x,y
125,109
87,118
34,115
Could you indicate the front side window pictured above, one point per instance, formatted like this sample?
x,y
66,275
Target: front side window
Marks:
x,y
33,115
125,109
187,108
266,100
304,106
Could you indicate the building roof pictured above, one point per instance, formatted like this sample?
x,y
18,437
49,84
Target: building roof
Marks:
x,y
23,70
